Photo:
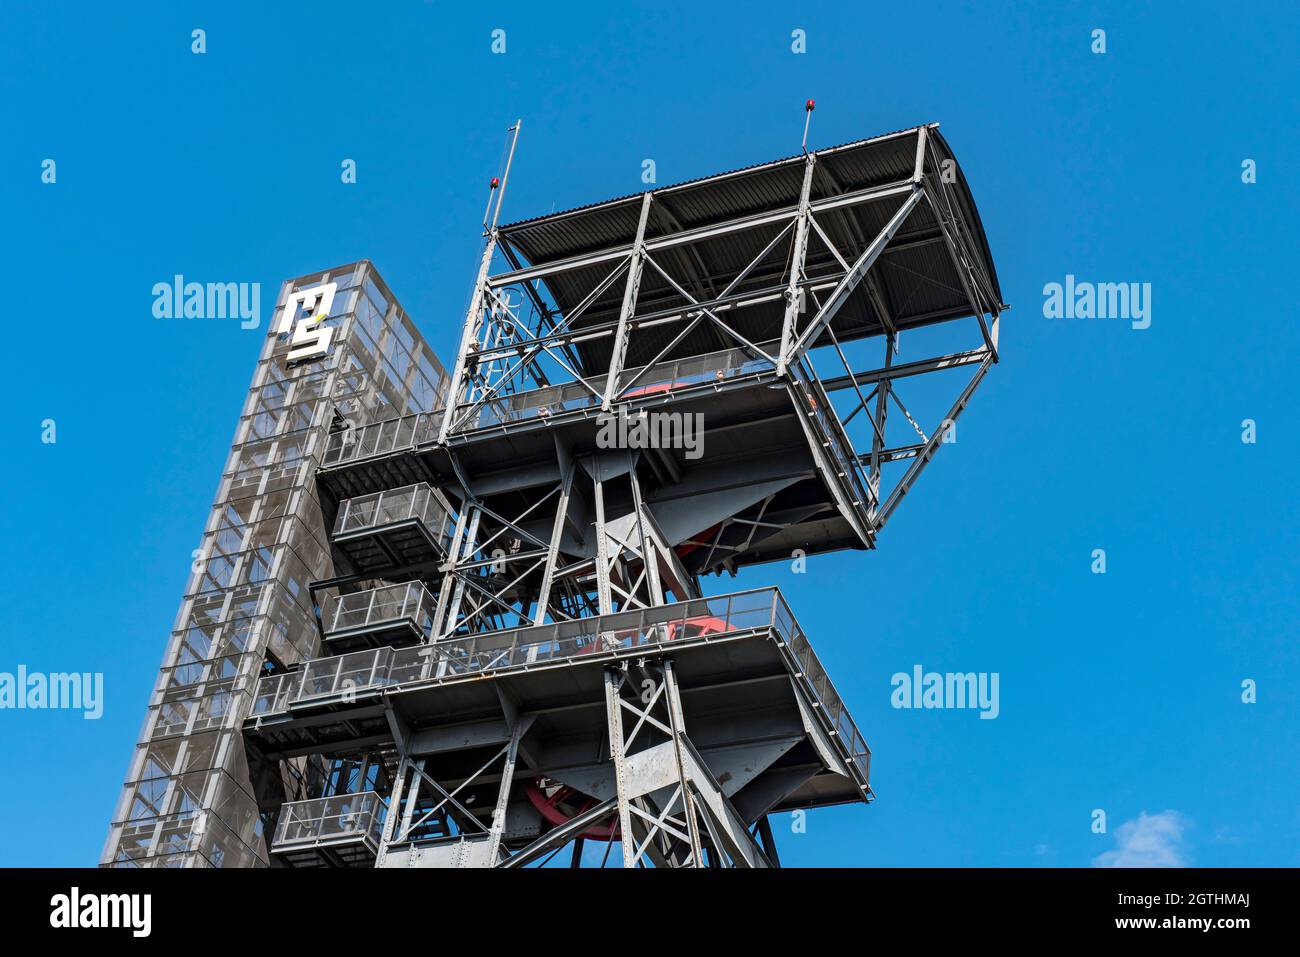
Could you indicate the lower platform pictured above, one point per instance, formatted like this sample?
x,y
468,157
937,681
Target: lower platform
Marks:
x,y
764,726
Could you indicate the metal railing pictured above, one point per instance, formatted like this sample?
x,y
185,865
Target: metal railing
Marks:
x,y
831,704
694,370
422,428
521,647
381,438
411,431
379,509
331,819
368,610
661,378
345,676
836,440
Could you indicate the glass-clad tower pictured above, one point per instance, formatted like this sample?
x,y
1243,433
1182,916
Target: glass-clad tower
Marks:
x,y
340,353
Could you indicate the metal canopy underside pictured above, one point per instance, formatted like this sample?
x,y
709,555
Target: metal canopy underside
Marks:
x,y
916,275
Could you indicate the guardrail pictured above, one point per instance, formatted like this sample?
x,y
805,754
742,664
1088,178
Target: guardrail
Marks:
x,y
836,439
422,428
387,605
381,438
330,819
345,676
391,506
832,706
383,667
659,379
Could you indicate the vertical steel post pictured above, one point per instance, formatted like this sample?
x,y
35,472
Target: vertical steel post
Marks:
x,y
604,594
473,318
800,252
503,791
677,721
649,547
630,290
882,410
553,549
614,720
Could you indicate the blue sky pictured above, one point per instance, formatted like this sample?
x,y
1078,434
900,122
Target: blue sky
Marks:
x,y
1119,691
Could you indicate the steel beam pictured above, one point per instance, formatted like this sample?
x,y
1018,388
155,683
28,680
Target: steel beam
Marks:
x,y
698,234
793,297
635,263
846,286
927,453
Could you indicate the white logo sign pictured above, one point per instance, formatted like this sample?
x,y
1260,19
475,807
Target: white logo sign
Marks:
x,y
309,339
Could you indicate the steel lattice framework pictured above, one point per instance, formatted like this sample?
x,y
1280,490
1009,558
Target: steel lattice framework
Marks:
x,y
516,654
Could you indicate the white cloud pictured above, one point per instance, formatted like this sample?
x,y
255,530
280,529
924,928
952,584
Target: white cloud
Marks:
x,y
1149,840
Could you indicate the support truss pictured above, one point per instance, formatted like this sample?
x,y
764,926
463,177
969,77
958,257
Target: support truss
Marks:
x,y
522,356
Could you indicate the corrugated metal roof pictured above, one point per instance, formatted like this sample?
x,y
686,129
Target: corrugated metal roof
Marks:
x,y
915,274
796,158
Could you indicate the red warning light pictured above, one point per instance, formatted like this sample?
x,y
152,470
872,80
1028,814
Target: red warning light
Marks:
x,y
496,182
810,106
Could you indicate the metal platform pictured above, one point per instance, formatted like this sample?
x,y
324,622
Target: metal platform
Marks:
x,y
394,528
342,830
756,714
394,615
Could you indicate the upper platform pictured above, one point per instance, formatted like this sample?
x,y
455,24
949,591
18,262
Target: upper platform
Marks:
x,y
706,232
767,303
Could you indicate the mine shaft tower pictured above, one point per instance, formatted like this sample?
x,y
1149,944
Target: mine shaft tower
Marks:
x,y
500,650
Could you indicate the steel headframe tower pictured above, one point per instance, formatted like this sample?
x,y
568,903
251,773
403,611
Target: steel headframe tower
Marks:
x,y
515,656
